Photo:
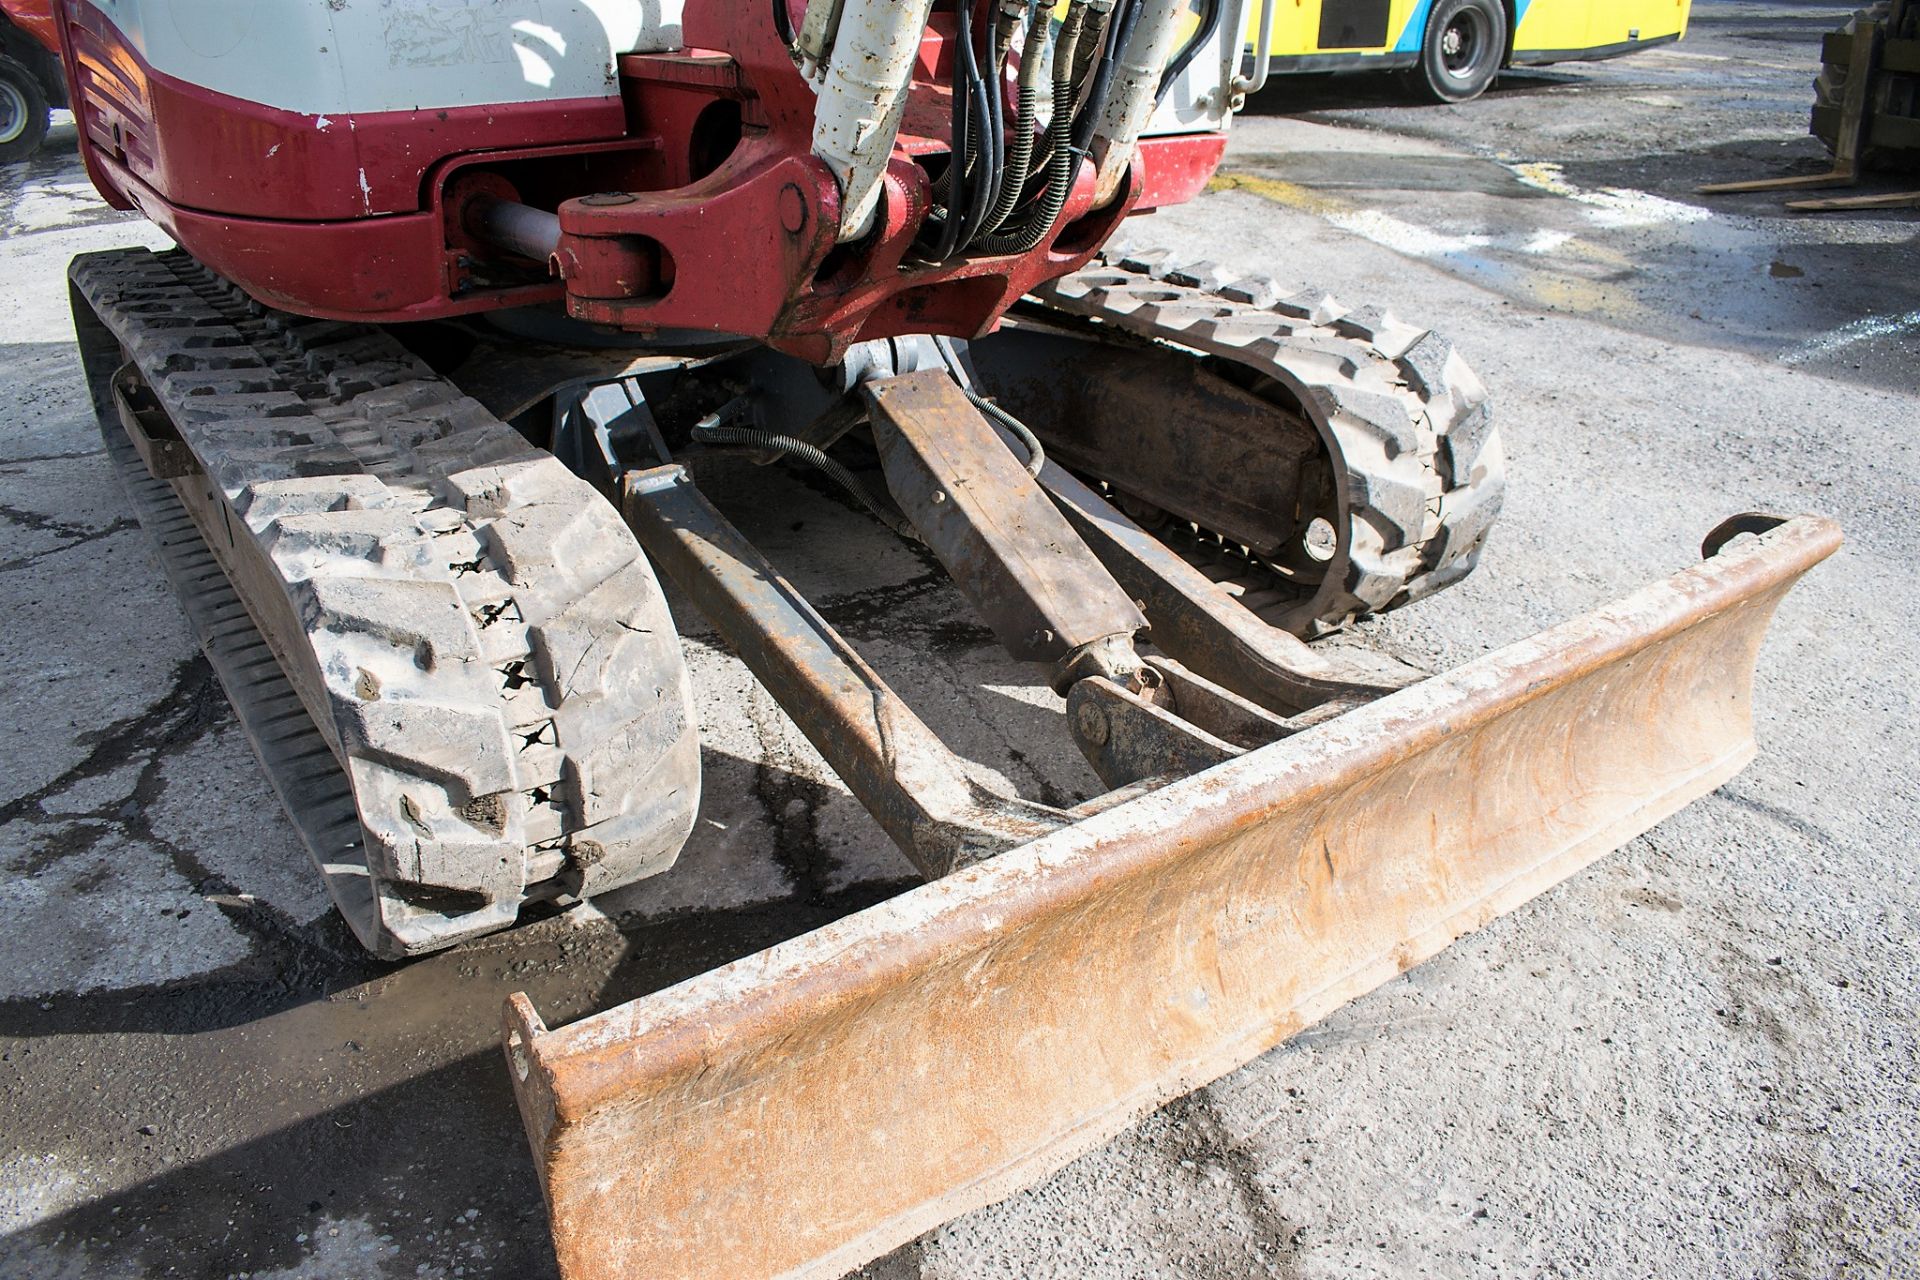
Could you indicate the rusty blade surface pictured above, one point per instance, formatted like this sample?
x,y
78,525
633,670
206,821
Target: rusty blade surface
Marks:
x,y
802,1110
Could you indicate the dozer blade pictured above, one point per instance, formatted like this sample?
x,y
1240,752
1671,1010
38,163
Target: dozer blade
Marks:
x,y
803,1110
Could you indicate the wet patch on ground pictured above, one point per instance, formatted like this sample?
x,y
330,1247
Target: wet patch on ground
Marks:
x,y
1575,192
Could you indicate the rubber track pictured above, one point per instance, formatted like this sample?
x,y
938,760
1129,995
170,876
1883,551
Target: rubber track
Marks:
x,y
498,672
299,761
1420,472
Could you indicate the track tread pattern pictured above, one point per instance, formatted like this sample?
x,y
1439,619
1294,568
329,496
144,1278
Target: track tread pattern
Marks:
x,y
1420,471
503,682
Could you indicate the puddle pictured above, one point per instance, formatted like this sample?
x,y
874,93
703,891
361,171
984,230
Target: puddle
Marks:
x,y
1816,293
1380,171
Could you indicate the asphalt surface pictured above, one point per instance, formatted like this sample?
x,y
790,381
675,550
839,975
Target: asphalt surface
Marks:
x,y
1697,1058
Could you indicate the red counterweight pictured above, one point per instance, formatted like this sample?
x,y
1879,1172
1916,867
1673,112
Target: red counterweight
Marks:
x,y
692,202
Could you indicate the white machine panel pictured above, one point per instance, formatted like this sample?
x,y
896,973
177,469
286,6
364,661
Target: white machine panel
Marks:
x,y
345,57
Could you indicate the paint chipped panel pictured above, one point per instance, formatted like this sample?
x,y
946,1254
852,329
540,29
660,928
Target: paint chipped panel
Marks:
x,y
446,35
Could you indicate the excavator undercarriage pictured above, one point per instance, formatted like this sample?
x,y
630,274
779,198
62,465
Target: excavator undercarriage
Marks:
x,y
1156,483
485,655
475,315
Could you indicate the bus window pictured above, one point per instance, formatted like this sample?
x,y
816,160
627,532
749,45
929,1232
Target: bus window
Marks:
x,y
1354,24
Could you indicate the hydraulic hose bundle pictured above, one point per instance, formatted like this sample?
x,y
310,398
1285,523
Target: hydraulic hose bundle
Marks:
x,y
1025,116
1002,195
1006,183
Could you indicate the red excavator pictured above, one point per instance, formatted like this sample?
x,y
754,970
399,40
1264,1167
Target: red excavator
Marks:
x,y
474,299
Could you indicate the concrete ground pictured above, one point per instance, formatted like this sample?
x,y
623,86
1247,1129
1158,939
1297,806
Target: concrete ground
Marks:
x,y
1696,1059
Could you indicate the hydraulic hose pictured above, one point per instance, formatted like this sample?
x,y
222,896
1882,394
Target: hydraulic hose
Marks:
x,y
1119,32
963,148
1027,109
959,155
976,181
1064,158
1184,59
1036,452
711,430
995,84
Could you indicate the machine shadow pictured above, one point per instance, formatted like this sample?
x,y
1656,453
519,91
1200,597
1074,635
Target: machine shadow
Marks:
x,y
338,1168
433,1170
570,968
1307,94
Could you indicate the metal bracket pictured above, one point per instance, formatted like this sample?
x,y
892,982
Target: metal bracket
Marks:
x,y
1046,596
1128,738
1196,622
152,432
930,801
1178,723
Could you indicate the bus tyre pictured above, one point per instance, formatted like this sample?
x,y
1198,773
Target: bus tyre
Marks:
x,y
1466,41
23,112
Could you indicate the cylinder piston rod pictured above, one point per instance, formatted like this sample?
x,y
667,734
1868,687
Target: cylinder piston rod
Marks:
x,y
517,228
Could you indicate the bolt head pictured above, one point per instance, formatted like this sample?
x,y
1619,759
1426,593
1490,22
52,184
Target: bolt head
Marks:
x,y
1091,723
793,210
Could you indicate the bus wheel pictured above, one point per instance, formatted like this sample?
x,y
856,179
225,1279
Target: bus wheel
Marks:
x,y
23,112
1465,44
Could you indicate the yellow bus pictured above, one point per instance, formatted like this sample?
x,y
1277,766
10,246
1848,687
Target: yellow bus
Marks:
x,y
1454,48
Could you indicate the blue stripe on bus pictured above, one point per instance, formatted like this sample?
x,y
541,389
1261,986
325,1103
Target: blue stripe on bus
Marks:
x,y
1416,29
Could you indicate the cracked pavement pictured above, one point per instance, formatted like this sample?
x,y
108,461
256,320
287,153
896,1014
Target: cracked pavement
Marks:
x,y
1696,1058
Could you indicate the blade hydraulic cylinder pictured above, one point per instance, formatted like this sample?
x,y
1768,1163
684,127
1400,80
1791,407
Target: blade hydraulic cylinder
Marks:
x,y
1046,596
